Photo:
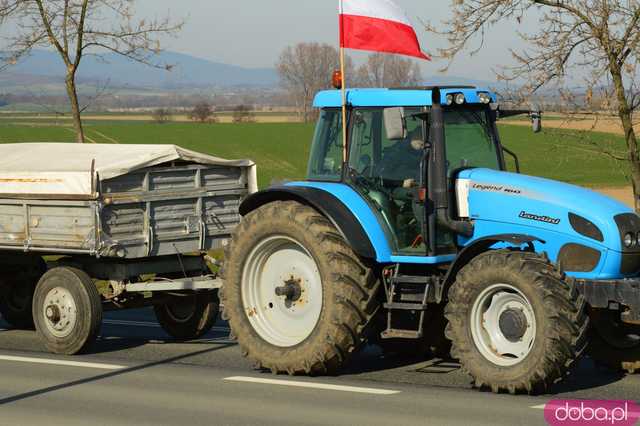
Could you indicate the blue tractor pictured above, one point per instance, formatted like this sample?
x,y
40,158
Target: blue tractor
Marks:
x,y
422,238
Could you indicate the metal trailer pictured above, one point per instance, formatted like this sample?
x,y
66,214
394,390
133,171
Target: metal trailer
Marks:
x,y
90,227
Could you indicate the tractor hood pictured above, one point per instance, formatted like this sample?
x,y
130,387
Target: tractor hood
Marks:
x,y
553,211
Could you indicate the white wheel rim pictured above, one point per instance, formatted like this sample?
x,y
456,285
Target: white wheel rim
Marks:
x,y
60,312
277,262
503,325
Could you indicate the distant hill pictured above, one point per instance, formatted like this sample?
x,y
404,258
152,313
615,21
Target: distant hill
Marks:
x,y
188,71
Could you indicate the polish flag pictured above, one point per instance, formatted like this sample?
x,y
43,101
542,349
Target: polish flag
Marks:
x,y
378,25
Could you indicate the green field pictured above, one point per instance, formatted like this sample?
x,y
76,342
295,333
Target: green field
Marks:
x,y
281,150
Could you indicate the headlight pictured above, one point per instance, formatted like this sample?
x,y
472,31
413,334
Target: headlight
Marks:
x,y
460,99
484,98
449,99
629,240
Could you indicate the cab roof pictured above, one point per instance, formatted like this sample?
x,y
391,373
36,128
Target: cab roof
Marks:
x,y
402,97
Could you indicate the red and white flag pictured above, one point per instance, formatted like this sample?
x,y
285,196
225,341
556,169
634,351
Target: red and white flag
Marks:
x,y
378,25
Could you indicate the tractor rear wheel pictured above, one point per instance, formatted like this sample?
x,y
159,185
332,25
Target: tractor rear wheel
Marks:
x,y
613,343
297,297
517,324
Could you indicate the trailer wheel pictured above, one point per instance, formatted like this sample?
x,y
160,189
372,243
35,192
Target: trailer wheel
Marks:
x,y
297,297
16,292
613,343
188,317
67,310
516,323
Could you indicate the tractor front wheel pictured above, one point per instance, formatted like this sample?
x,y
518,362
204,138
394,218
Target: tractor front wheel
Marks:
x,y
297,297
517,324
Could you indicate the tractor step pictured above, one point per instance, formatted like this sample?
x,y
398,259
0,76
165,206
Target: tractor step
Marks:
x,y
401,334
410,279
406,306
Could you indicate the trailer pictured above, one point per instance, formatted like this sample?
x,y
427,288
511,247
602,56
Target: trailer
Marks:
x,y
87,228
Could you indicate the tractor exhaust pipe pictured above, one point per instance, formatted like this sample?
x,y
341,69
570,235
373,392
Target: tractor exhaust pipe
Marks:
x,y
439,178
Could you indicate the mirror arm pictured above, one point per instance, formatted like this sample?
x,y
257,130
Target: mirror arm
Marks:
x,y
514,156
504,113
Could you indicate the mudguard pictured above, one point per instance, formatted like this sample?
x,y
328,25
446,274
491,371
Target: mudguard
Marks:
x,y
327,204
478,247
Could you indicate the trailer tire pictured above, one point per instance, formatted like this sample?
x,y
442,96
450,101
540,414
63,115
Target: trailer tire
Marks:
x,y
17,286
331,297
517,324
188,317
67,310
612,343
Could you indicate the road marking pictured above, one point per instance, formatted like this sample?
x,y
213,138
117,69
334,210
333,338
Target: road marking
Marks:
x,y
62,362
538,407
150,324
340,388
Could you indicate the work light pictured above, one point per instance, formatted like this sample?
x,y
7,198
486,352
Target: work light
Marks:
x,y
629,240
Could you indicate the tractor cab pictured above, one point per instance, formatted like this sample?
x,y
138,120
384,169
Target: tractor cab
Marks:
x,y
389,163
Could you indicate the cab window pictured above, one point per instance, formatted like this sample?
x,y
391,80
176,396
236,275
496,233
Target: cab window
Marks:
x,y
469,139
325,160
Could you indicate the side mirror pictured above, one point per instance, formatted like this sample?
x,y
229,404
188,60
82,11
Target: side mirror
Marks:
x,y
536,118
394,124
535,114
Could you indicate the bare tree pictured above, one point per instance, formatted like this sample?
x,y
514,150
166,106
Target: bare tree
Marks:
x,y
243,114
162,115
383,70
77,28
596,38
305,69
203,113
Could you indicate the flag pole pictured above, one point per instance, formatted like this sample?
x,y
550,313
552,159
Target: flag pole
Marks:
x,y
343,89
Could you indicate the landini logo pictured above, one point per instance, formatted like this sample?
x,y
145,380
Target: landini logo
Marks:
x,y
564,412
537,218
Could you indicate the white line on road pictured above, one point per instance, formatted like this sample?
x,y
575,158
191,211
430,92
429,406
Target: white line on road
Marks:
x,y
340,388
538,407
61,362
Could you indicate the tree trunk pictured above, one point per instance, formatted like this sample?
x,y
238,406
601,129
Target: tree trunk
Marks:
x,y
75,105
630,137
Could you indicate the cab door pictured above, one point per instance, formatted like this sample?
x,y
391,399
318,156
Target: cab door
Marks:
x,y
389,173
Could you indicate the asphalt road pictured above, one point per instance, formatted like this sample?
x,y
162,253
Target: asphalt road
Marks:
x,y
136,374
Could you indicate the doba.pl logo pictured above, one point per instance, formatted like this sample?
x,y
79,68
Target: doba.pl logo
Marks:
x,y
564,412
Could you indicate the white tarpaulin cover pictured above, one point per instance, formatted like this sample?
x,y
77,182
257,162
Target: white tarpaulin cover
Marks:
x,y
68,169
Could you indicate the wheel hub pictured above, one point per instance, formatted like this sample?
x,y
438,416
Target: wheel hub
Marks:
x,y
52,313
291,290
513,324
60,312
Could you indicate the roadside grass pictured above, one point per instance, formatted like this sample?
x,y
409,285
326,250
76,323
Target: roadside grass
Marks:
x,y
281,149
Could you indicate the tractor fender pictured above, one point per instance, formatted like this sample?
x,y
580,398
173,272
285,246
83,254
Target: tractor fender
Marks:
x,y
324,202
480,246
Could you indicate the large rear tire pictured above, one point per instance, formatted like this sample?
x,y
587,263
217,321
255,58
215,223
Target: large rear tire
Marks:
x,y
517,324
188,317
613,343
67,310
297,297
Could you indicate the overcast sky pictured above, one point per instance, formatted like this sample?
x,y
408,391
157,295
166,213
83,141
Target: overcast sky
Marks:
x,y
252,33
